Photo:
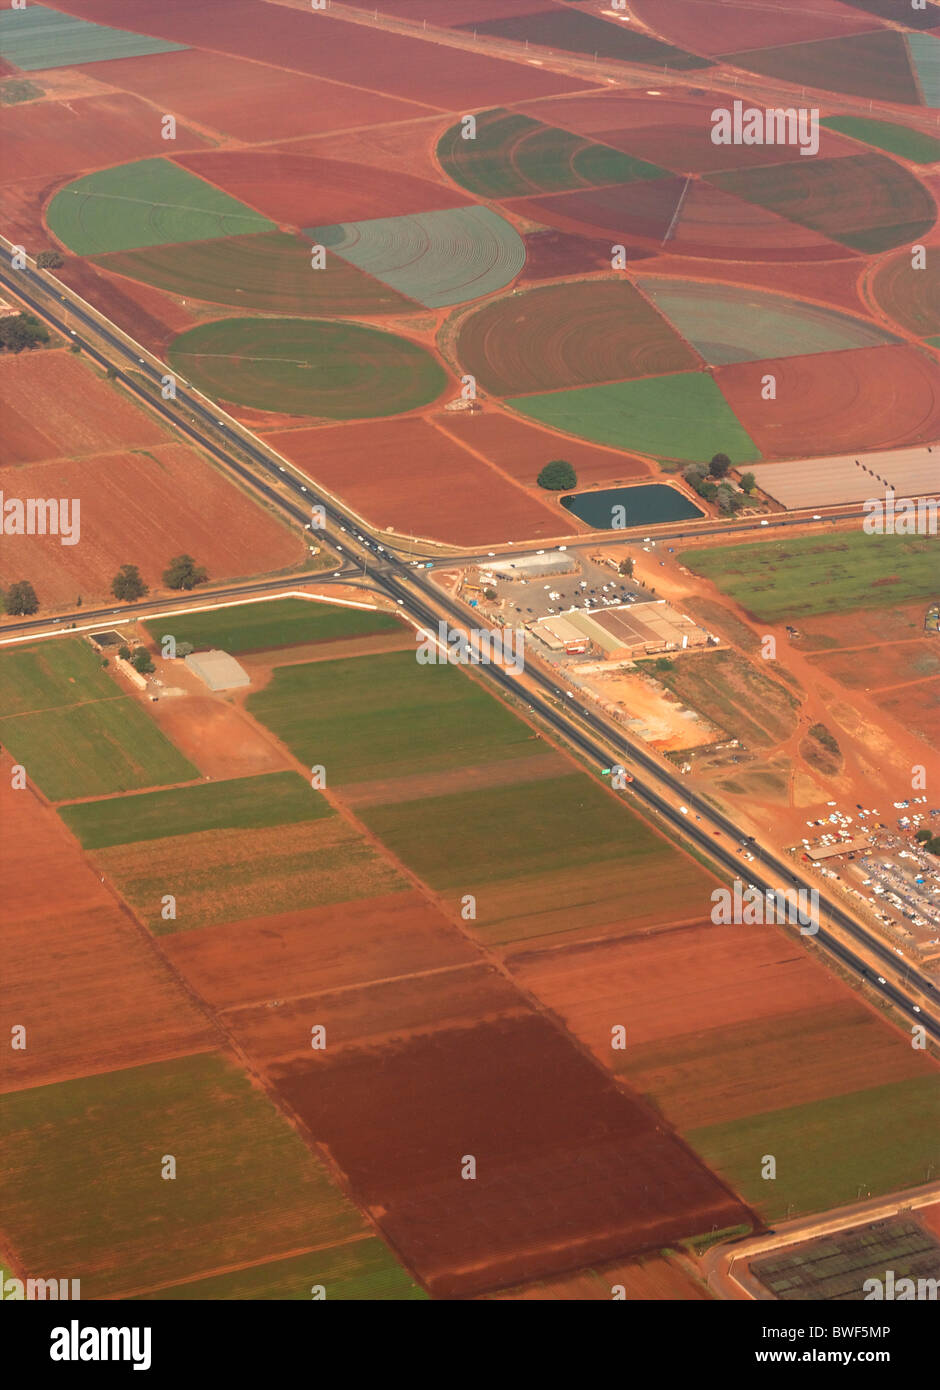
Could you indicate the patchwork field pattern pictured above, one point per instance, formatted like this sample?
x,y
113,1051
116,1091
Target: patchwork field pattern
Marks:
x,y
252,1190
437,258
682,416
270,272
148,203
575,334
512,155
86,741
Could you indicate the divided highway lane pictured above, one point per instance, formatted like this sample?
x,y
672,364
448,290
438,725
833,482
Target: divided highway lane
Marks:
x,y
388,575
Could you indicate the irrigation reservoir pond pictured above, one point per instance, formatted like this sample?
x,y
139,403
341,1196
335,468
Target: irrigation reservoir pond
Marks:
x,y
647,504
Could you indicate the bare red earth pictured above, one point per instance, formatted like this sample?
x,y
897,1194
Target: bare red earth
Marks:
x,y
328,47
833,402
570,1169
306,191
248,101
90,991
54,405
146,507
407,475
301,953
728,26
671,130
44,138
522,449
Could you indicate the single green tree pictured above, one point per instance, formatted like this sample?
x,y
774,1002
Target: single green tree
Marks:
x,y
719,466
748,483
142,661
21,598
50,260
183,573
626,567
127,584
557,476
124,652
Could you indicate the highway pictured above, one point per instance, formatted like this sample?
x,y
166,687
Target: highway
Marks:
x,y
411,589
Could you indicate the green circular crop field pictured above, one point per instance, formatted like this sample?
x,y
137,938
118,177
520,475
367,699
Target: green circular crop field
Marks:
x,y
339,371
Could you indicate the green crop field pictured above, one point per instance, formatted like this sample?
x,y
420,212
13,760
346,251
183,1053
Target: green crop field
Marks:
x,y
390,717
228,875
337,371
146,203
93,749
271,272
683,416
52,674
886,135
509,832
33,37
358,1271
514,155
832,574
278,798
288,622
82,1193
831,1151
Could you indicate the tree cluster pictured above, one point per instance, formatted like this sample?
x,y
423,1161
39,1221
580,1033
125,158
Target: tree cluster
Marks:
x,y
19,331
706,479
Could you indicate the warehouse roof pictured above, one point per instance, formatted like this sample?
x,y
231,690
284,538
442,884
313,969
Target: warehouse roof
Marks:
x,y
219,670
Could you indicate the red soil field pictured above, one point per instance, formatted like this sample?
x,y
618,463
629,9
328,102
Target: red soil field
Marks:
x,y
149,316
77,973
248,101
327,47
624,212
22,211
307,191
707,227
55,406
45,138
910,297
570,1169
407,148
917,708
408,475
146,508
726,26
930,1216
522,449
835,282
833,402
574,334
550,255
442,12
378,1014
673,131
728,228
722,1021
218,738
296,954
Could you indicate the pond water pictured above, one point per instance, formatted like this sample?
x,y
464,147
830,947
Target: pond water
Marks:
x,y
648,504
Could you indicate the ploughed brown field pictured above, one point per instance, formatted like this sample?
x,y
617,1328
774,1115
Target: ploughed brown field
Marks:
x,y
78,973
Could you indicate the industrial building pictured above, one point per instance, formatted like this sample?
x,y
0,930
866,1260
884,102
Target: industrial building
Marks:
x,y
219,670
623,633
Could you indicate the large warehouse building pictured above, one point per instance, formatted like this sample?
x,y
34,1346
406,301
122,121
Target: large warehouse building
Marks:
x,y
219,670
622,633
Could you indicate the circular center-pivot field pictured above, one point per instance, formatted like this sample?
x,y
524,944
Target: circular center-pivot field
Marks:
x,y
339,371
